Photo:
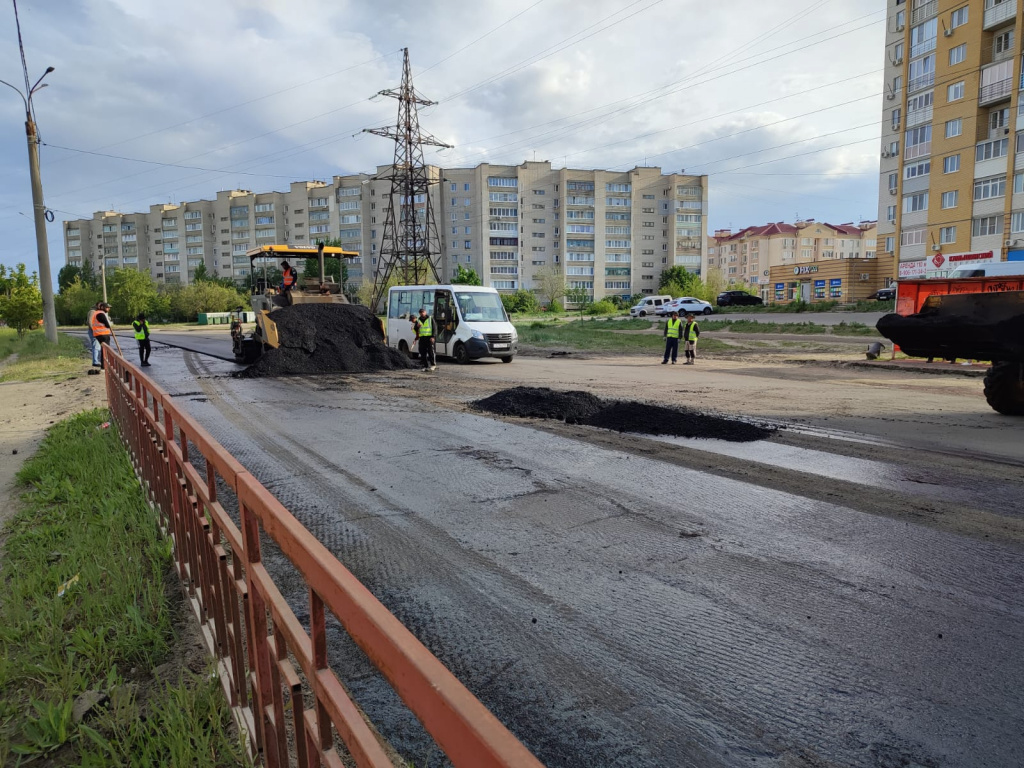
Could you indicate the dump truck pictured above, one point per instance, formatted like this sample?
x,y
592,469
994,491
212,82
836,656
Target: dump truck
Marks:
x,y
975,318
266,298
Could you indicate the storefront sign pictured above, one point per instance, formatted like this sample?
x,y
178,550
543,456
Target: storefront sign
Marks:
x,y
805,270
819,289
938,260
958,258
911,270
780,291
835,288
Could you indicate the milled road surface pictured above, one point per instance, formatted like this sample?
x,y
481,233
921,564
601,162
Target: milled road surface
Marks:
x,y
821,598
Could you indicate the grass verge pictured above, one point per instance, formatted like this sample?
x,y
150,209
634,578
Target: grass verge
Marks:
x,y
598,336
87,606
817,306
37,358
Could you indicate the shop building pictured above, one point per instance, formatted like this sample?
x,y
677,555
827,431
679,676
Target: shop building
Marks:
x,y
843,280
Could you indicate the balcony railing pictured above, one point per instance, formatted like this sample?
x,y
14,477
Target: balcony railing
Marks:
x,y
924,81
995,91
923,47
925,11
999,13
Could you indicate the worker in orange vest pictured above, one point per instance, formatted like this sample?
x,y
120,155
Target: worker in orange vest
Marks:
x,y
289,277
100,325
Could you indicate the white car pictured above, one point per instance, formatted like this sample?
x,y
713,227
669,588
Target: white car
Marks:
x,y
685,306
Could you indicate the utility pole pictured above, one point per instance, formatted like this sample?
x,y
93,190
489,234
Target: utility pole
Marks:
x,y
103,277
38,208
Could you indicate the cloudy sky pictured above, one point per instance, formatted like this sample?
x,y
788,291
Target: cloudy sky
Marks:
x,y
779,102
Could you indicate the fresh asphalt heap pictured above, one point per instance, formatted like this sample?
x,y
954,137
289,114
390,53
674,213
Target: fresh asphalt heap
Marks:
x,y
327,338
575,407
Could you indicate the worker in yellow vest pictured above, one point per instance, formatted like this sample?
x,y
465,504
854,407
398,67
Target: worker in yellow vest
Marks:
x,y
690,333
672,330
141,328
424,330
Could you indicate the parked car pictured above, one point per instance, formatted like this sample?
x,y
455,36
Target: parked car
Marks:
x,y
884,294
685,306
649,305
738,298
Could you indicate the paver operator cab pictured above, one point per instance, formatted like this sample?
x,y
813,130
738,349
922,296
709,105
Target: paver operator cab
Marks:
x,y
469,321
266,298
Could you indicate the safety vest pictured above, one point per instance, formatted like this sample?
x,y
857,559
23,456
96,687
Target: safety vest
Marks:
x,y
88,319
691,332
672,331
98,329
141,329
289,277
426,329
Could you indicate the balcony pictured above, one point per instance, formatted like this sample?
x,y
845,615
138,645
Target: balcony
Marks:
x,y
925,11
997,91
999,13
924,81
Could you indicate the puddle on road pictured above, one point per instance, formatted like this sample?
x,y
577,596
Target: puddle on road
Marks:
x,y
993,495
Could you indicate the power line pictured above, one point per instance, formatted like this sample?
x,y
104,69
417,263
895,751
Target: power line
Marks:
x,y
157,162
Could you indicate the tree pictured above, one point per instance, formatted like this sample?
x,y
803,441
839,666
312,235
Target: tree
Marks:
x,y
188,302
67,275
21,303
466,276
550,283
336,268
130,292
679,280
201,275
578,296
74,302
521,301
89,277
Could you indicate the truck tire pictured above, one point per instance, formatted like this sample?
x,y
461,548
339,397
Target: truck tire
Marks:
x,y
460,354
1004,388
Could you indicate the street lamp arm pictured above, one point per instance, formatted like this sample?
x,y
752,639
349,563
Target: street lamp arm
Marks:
x,y
17,91
36,86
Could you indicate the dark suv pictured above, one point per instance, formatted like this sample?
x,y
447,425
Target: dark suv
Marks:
x,y
737,298
884,294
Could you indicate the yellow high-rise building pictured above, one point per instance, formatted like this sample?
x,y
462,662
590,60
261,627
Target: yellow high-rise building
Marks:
x,y
951,188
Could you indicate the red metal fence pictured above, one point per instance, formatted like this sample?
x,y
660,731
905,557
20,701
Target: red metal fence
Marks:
x,y
274,673
911,294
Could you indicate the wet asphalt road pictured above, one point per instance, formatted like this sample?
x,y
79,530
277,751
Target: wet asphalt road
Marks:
x,y
615,610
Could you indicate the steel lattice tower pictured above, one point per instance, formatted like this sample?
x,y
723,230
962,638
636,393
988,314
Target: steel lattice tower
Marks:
x,y
410,244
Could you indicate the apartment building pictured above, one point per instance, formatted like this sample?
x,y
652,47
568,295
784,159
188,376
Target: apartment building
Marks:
x,y
750,255
951,188
608,232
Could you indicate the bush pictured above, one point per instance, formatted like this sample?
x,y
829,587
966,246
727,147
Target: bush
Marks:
x,y
555,307
602,307
186,303
74,301
521,301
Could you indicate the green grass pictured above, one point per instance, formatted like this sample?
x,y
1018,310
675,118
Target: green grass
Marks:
x,y
854,329
597,336
817,306
757,326
37,358
83,516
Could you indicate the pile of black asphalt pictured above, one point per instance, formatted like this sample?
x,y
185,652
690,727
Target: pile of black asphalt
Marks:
x,y
327,338
575,407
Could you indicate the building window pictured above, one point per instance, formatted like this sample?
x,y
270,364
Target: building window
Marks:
x,y
991,150
913,236
894,180
1003,43
987,225
1018,183
958,54
917,169
922,73
951,164
896,119
986,189
958,18
954,128
1017,222
890,244
955,92
890,213
947,235
915,203
949,199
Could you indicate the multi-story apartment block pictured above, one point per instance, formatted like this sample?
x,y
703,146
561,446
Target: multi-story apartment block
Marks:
x,y
611,233
951,188
794,254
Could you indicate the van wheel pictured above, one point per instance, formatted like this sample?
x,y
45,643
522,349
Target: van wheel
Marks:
x,y
460,354
506,359
642,313
404,349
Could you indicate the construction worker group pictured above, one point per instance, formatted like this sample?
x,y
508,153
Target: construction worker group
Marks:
x,y
689,332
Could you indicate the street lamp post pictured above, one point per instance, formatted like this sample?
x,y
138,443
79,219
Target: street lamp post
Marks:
x,y
38,208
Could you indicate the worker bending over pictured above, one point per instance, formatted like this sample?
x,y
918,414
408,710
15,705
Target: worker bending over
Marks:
x,y
101,330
